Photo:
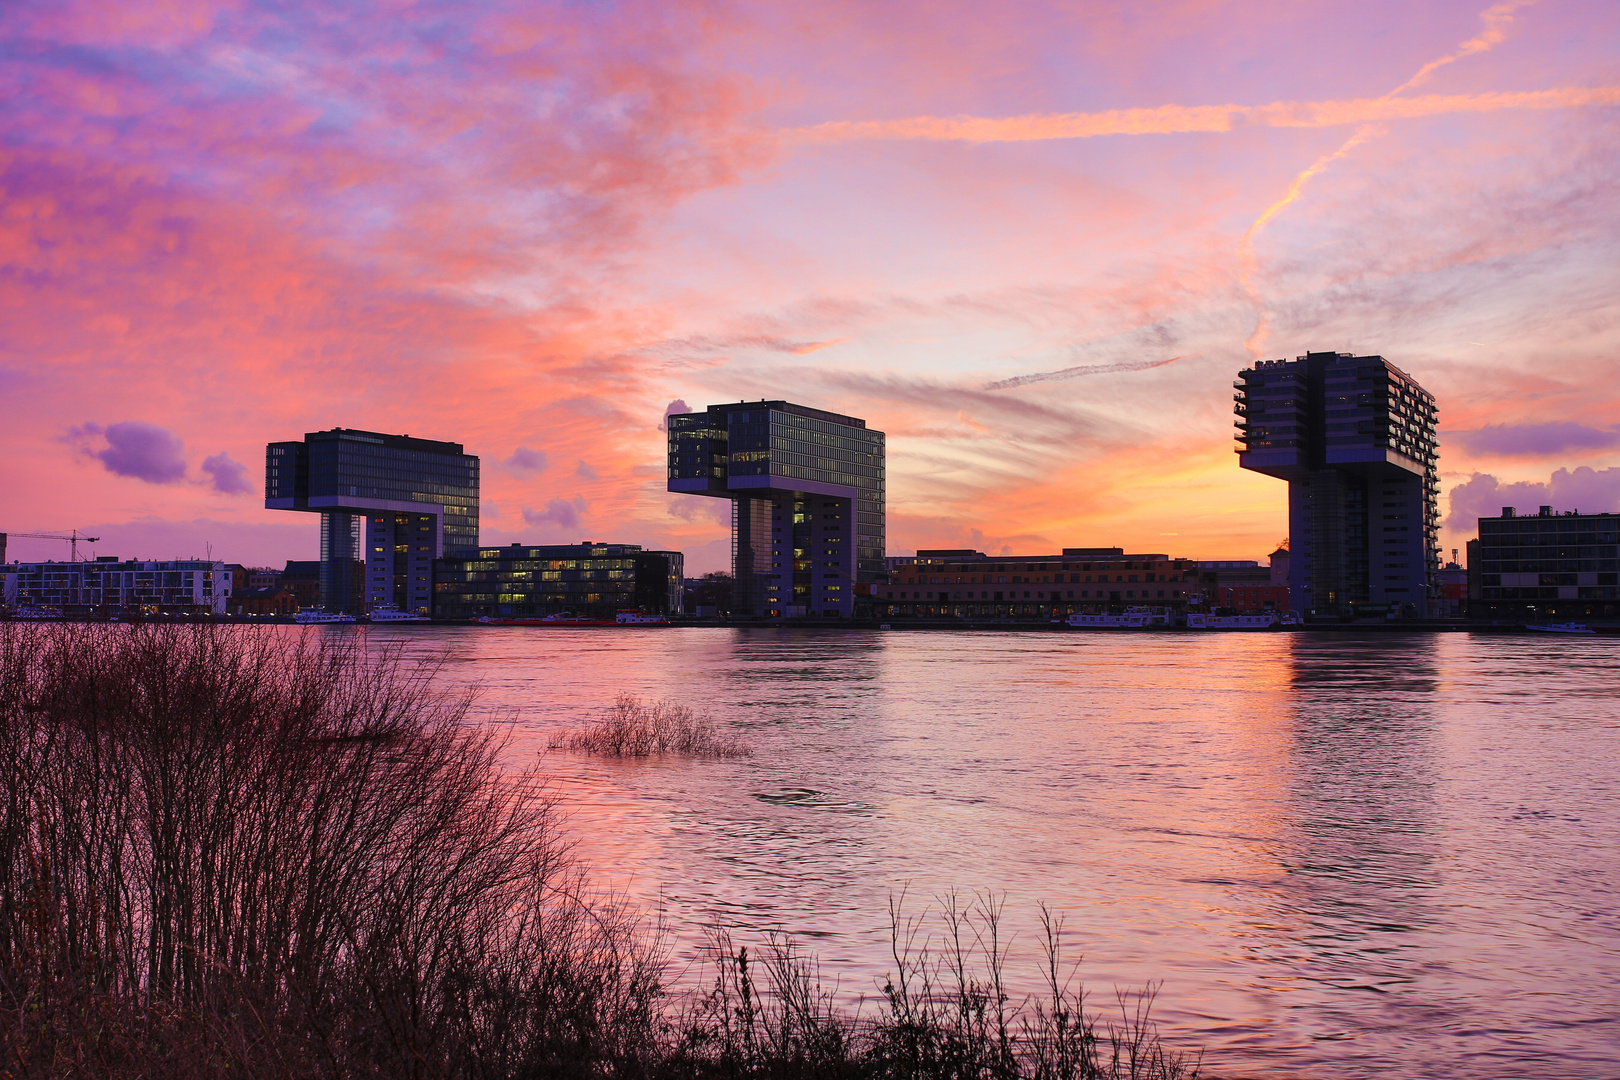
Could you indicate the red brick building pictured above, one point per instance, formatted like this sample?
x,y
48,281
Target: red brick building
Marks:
x,y
1031,586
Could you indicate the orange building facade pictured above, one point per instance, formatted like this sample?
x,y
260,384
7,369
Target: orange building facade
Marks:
x,y
1252,597
1032,586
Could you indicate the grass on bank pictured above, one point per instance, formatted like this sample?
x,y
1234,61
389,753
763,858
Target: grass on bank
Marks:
x,y
230,853
633,728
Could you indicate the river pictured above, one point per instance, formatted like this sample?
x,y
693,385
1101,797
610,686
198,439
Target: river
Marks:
x,y
1337,855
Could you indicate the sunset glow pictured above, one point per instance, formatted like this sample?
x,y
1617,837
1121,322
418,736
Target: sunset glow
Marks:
x,y
1032,244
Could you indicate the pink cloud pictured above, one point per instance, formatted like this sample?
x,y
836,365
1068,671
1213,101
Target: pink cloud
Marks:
x,y
1534,440
134,449
1591,491
563,514
228,476
527,460
535,227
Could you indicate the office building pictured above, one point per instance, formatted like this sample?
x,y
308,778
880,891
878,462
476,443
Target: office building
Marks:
x,y
113,586
1036,586
596,580
1354,436
1547,567
389,506
806,490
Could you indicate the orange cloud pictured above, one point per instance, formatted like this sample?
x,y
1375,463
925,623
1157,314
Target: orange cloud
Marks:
x,y
814,346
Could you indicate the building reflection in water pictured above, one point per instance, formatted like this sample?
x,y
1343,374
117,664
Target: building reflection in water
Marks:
x,y
1344,855
1352,916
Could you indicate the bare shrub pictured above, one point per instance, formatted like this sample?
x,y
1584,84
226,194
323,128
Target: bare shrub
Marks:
x,y
632,728
226,853
229,852
945,1013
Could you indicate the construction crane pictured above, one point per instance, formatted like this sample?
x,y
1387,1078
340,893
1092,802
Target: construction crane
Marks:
x,y
72,539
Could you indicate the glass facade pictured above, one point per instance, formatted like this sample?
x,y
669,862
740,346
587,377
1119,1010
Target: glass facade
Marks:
x,y
389,505
808,487
596,580
1552,564
1355,437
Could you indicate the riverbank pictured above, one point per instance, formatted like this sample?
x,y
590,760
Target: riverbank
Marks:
x,y
1361,626
233,854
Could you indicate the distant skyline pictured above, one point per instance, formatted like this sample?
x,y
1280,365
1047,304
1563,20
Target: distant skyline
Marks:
x,y
1033,244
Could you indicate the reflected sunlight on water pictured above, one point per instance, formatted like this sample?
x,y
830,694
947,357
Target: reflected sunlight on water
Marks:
x,y
1340,854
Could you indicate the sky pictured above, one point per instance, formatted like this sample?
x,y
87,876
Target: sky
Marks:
x,y
1033,243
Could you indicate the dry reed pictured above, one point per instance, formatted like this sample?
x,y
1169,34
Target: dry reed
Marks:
x,y
226,853
633,728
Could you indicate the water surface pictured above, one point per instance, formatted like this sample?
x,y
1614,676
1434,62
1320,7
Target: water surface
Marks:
x,y
1339,855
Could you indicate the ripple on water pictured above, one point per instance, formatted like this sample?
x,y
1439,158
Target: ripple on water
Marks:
x,y
1340,856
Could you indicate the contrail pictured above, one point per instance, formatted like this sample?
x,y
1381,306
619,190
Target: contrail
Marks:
x,y
1083,369
1248,264
1192,119
1496,21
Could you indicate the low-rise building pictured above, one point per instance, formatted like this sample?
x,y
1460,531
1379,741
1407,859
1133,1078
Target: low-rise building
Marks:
x,y
1032,586
110,586
303,578
1550,566
929,557
598,580
1252,597
1245,585
270,600
263,577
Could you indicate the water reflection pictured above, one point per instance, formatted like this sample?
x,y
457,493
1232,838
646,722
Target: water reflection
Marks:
x,y
1341,855
1342,936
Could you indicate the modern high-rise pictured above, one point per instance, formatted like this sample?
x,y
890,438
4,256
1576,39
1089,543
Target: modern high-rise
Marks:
x,y
1354,436
806,491
389,506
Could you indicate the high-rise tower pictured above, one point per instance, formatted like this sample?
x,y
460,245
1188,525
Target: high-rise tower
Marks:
x,y
389,506
1354,436
806,491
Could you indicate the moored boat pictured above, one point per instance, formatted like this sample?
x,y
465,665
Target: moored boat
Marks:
x,y
565,619
561,619
394,615
1130,619
1561,628
1263,620
321,618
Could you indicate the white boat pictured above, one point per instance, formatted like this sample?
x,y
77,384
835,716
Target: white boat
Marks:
x,y
313,618
1263,620
1561,628
632,618
394,615
1130,619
